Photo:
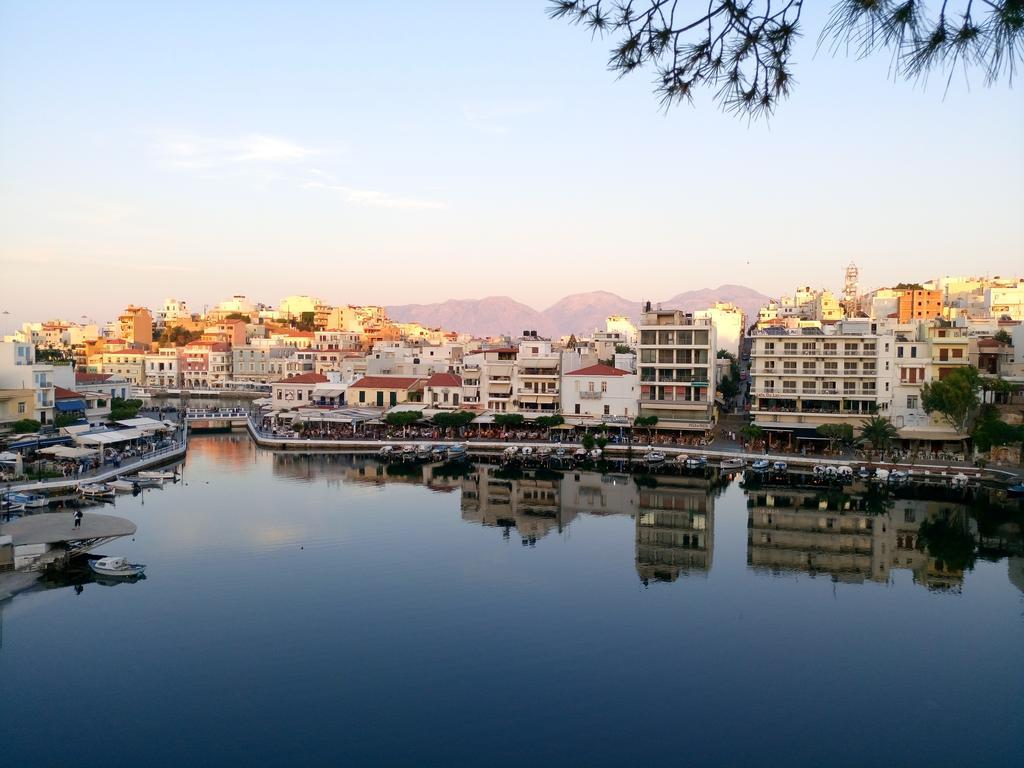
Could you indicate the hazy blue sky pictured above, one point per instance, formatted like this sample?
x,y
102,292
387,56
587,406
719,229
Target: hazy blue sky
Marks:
x,y
415,151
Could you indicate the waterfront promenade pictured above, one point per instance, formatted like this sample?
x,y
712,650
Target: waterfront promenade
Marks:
x,y
615,451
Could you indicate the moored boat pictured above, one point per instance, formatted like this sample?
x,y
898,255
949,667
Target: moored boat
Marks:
x,y
580,454
733,464
28,499
760,465
385,451
116,566
124,485
96,491
654,458
157,474
458,452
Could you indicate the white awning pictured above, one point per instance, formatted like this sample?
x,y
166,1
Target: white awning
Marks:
x,y
109,437
76,429
142,422
68,452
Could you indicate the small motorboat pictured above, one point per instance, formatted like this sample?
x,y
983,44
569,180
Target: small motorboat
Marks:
x,y
654,458
8,507
899,477
124,485
28,499
560,452
145,482
580,454
543,452
96,491
761,465
157,474
116,566
424,452
732,464
509,452
959,480
408,452
845,470
780,466
526,451
865,473
458,452
438,452
819,471
595,454
881,475
693,462
386,451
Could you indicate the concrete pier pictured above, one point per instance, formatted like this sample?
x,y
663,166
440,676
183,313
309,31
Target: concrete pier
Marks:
x,y
51,537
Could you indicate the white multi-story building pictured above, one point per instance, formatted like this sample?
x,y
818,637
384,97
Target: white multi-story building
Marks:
x,y
730,324
487,378
801,379
20,371
162,369
599,393
677,369
535,379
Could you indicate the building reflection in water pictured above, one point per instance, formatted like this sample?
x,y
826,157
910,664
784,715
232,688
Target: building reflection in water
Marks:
x,y
847,537
675,529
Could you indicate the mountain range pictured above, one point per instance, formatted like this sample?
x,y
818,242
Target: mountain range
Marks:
x,y
579,313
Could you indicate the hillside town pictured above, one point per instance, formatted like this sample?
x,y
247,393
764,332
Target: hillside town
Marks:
x,y
811,369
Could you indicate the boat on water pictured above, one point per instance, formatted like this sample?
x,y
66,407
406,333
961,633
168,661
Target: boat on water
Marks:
x,y
116,566
96,491
408,452
458,452
899,477
959,480
1015,491
8,507
865,473
761,465
733,464
693,462
543,452
580,454
780,466
424,452
386,451
28,499
595,454
145,482
882,475
560,452
157,474
124,485
654,458
526,451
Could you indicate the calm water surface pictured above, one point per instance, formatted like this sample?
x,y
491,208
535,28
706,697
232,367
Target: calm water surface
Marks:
x,y
329,611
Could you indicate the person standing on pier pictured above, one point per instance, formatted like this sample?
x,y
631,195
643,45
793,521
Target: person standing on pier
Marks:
x,y
78,518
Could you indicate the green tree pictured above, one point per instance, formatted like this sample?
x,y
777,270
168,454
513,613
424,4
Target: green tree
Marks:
x,y
588,441
955,398
66,419
25,426
452,419
179,336
601,441
948,540
237,316
306,321
1003,337
647,422
878,431
403,418
751,432
836,433
740,51
994,431
547,422
508,419
623,349
121,409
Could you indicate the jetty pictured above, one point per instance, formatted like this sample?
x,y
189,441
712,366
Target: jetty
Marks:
x,y
48,539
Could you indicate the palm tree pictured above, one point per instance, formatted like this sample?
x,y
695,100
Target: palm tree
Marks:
x,y
878,431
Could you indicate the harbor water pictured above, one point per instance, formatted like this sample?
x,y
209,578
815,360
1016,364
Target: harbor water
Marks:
x,y
330,610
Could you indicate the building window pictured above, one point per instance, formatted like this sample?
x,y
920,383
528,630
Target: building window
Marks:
x,y
21,407
607,410
912,401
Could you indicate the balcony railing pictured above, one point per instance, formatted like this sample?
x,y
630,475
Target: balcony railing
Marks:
x,y
588,395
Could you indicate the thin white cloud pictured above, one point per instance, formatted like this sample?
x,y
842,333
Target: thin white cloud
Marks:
x,y
194,151
369,197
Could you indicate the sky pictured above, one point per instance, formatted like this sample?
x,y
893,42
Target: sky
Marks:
x,y
400,152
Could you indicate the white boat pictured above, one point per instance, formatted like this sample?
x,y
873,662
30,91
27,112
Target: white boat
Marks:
x,y
385,451
780,466
526,450
653,458
96,491
959,480
408,451
845,470
580,454
145,482
543,451
123,485
157,474
28,499
509,452
733,464
865,473
595,454
881,474
761,465
458,452
116,566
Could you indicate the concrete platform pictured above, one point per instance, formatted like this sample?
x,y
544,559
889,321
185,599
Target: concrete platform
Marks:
x,y
59,527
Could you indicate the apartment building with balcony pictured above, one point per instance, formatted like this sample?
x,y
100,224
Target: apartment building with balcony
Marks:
x,y
19,372
536,376
135,325
803,378
677,369
487,378
162,369
599,393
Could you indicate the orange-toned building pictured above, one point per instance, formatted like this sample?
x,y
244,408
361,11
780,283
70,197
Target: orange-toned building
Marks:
x,y
919,305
